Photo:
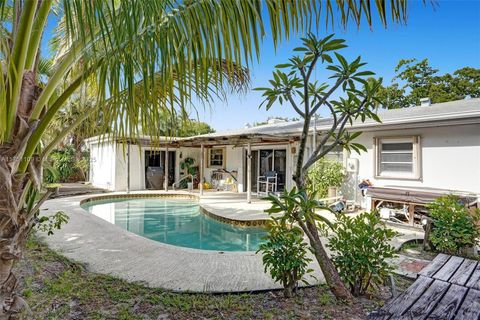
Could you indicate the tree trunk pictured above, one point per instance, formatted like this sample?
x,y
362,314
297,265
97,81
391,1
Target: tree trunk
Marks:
x,y
77,144
15,221
14,228
329,271
289,285
288,290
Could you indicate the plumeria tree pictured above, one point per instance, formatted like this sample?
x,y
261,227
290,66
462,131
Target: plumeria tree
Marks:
x,y
143,58
358,98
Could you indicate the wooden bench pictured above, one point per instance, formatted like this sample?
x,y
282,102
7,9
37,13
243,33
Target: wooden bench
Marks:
x,y
448,288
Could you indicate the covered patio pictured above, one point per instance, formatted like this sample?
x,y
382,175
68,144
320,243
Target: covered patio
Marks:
x,y
240,156
237,140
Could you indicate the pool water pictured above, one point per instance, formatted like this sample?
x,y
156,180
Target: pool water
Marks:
x,y
176,222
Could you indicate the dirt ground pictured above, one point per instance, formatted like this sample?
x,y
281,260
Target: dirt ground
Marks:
x,y
57,288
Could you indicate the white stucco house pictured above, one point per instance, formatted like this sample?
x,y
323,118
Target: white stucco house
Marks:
x,y
426,147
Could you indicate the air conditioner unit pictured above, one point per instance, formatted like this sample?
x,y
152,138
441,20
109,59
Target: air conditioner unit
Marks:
x,y
352,165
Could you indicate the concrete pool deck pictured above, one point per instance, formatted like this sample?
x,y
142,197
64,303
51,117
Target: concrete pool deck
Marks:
x,y
108,249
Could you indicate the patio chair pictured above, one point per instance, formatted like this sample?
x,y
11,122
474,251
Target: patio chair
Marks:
x,y
267,183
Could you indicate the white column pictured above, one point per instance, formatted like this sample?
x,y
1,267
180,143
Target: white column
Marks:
x,y
202,170
166,169
249,173
128,167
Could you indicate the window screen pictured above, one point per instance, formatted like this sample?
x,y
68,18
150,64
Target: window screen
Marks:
x,y
396,157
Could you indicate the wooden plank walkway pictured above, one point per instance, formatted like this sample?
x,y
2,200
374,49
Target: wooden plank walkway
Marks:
x,y
448,288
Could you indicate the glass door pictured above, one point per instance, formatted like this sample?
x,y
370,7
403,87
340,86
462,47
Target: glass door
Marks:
x,y
280,167
265,160
155,169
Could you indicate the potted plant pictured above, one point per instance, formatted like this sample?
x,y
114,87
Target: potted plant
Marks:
x,y
325,177
188,165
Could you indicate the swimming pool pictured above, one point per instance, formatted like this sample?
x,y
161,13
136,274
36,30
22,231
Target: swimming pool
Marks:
x,y
177,222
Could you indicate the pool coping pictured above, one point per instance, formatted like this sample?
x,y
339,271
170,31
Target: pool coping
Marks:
x,y
186,196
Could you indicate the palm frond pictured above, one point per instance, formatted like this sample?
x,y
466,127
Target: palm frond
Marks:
x,y
174,45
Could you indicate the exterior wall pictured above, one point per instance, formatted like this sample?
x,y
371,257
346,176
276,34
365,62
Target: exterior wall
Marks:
x,y
137,168
449,158
102,162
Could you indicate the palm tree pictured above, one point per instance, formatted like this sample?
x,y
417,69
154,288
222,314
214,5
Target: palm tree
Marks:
x,y
144,57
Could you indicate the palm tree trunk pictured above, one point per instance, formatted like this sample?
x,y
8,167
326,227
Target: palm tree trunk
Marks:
x,y
77,145
14,228
16,218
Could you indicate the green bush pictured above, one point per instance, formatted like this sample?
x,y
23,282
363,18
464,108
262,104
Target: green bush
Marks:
x,y
455,229
323,174
64,162
284,255
359,250
50,173
62,166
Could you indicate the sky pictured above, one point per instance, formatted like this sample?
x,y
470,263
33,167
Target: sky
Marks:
x,y
448,34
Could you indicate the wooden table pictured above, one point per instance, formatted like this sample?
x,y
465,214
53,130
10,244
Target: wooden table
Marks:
x,y
448,288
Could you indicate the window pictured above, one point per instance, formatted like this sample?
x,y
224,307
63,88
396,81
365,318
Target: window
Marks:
x,y
216,158
397,158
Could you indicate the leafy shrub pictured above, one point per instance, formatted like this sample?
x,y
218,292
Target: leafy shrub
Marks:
x,y
359,250
455,228
323,174
83,164
62,166
50,173
284,255
64,162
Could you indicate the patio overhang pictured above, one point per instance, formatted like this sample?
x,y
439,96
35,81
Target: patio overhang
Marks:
x,y
244,140
208,141
236,140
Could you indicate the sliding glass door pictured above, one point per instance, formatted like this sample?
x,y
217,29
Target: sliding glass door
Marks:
x,y
155,167
280,166
265,160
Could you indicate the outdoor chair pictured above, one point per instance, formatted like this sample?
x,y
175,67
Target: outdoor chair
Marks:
x,y
267,183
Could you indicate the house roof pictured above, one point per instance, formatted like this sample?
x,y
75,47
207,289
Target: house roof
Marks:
x,y
439,114
457,112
